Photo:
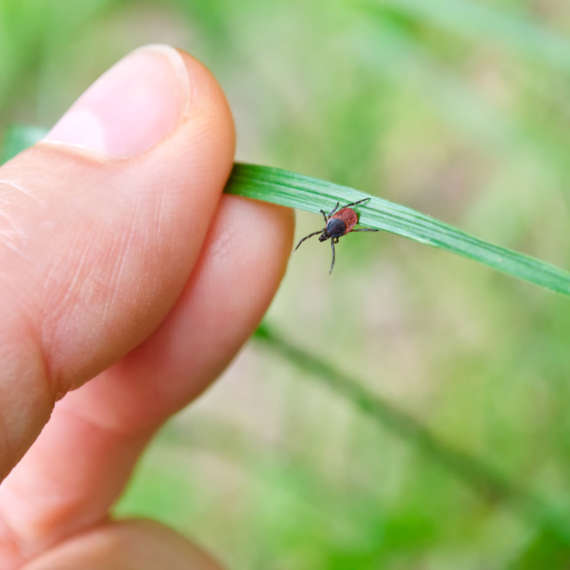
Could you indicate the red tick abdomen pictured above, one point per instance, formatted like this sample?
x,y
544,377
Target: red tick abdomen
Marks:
x,y
348,216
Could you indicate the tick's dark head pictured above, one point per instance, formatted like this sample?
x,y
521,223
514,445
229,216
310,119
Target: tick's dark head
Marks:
x,y
336,228
324,236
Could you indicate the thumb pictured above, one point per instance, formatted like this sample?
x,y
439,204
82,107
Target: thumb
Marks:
x,y
100,225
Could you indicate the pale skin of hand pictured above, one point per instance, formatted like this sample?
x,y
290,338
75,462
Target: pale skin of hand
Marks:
x,y
127,283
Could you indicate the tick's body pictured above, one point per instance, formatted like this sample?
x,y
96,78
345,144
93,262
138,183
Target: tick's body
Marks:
x,y
337,224
342,222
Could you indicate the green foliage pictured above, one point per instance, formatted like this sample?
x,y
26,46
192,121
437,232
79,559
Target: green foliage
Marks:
x,y
18,138
485,480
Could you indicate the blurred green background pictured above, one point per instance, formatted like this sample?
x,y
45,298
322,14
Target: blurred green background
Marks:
x,y
458,109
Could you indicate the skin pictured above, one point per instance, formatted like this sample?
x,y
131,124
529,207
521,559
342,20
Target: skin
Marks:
x,y
126,287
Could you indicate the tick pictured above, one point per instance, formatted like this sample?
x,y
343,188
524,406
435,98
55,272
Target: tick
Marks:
x,y
337,224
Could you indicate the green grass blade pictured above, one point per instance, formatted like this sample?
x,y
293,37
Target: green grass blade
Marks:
x,y
297,191
512,28
483,478
18,138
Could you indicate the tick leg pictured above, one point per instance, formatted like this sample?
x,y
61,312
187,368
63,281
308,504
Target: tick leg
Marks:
x,y
325,216
365,230
307,237
357,202
332,263
334,209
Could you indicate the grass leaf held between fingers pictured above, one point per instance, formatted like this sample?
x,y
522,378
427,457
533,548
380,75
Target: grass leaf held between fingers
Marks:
x,y
293,190
305,193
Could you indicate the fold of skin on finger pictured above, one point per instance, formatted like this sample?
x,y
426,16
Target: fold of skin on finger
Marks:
x,y
95,252
140,545
104,424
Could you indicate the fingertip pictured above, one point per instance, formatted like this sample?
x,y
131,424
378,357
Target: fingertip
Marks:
x,y
211,109
136,544
252,235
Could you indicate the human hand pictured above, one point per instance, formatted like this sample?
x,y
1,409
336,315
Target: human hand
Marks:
x,y
125,274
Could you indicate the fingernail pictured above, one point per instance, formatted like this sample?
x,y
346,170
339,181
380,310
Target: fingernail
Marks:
x,y
130,108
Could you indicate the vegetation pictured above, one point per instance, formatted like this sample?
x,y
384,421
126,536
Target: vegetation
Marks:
x,y
439,437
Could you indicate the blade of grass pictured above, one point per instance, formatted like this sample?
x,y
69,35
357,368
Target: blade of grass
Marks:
x,y
18,138
405,62
512,28
484,479
297,191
